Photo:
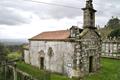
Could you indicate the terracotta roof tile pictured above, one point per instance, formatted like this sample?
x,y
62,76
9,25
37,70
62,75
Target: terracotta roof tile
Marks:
x,y
52,35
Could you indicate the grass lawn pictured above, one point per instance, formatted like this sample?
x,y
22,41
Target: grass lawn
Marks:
x,y
39,74
110,70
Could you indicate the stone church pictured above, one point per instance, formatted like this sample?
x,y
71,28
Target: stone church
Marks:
x,y
74,52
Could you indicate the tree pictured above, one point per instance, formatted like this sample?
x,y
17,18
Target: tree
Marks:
x,y
2,58
2,53
111,29
113,23
115,33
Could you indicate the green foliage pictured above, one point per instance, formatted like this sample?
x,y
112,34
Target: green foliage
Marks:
x,y
115,33
14,55
2,58
113,23
10,52
1,73
14,48
111,29
3,52
104,32
14,51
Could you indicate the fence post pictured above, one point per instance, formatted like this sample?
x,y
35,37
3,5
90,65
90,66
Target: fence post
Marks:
x,y
14,72
5,70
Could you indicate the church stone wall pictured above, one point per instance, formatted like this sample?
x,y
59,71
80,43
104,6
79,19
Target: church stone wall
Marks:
x,y
61,59
26,56
91,47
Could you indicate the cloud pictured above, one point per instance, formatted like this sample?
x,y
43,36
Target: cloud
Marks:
x,y
107,8
45,11
37,26
24,19
11,16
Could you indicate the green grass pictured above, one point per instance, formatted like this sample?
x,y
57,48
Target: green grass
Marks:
x,y
39,74
110,70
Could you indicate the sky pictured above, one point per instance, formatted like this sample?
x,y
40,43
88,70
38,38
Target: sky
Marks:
x,y
23,19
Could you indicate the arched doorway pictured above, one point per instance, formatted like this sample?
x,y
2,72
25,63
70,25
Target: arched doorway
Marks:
x,y
41,59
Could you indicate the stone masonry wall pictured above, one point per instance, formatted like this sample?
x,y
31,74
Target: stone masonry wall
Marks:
x,y
91,47
61,60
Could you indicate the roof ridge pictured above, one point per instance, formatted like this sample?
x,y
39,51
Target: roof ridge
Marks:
x,y
55,31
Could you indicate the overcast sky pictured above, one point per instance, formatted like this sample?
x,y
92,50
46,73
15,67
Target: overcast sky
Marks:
x,y
24,19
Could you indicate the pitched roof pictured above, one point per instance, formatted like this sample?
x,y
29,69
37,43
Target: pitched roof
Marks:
x,y
52,35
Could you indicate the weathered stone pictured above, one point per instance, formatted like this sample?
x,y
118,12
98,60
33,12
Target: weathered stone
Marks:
x,y
78,55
